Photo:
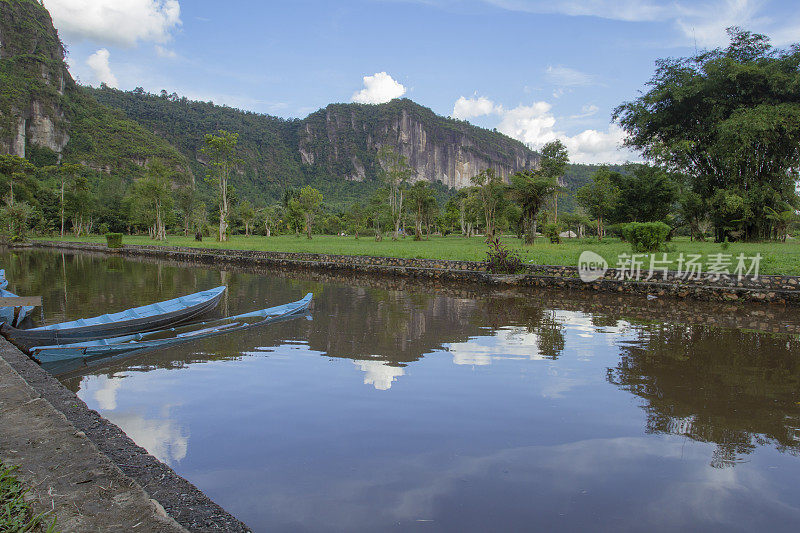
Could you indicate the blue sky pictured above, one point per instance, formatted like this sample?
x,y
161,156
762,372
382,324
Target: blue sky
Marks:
x,y
535,70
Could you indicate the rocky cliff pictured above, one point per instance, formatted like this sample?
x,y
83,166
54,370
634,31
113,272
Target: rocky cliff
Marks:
x,y
334,149
45,116
345,139
34,79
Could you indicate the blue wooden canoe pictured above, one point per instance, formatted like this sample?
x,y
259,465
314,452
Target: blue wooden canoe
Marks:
x,y
151,317
7,314
53,357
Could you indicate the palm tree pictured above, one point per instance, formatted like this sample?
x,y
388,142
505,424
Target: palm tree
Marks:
x,y
531,190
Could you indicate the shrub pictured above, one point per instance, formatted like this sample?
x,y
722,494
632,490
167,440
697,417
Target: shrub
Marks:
x,y
501,260
646,236
617,230
553,232
114,240
15,220
102,229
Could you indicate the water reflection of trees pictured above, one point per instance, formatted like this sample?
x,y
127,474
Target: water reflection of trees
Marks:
x,y
400,327
77,285
733,388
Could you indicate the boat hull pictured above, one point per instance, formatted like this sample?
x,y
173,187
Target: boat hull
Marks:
x,y
28,338
73,357
11,315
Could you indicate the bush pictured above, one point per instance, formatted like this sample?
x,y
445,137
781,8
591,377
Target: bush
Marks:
x,y
15,221
617,230
552,232
501,260
102,229
114,240
646,236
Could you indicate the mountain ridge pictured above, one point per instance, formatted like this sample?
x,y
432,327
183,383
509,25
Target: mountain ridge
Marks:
x,y
49,118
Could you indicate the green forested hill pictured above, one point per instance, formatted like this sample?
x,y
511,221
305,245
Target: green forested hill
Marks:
x,y
333,149
265,143
44,113
49,119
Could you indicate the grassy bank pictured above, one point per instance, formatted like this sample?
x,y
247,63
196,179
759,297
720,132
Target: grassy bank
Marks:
x,y
777,258
15,512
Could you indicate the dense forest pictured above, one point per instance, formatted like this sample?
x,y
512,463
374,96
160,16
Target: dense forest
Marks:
x,y
87,159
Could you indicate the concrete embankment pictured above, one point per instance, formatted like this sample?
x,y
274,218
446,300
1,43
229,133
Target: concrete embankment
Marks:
x,y
782,290
85,469
67,474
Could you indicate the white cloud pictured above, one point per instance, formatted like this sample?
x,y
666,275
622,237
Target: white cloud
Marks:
x,y
531,124
379,374
115,22
703,21
162,438
510,342
162,51
568,77
106,395
378,89
477,106
593,146
535,125
628,10
586,111
98,62
707,22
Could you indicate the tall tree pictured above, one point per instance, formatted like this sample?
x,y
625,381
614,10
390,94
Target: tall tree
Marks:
x,y
66,174
489,189
553,164
308,203
376,214
396,173
154,192
270,216
13,168
423,202
693,211
729,119
646,194
80,204
599,198
247,214
186,197
221,152
531,191
355,217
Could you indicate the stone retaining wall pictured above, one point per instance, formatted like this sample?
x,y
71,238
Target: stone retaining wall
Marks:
x,y
181,500
771,289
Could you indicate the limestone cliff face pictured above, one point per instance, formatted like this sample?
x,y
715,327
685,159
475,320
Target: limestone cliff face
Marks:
x,y
38,124
46,117
346,139
35,77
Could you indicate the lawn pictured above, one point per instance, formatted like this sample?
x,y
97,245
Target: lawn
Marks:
x,y
15,511
777,258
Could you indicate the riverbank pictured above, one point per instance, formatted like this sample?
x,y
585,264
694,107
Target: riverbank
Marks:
x,y
83,468
781,290
776,258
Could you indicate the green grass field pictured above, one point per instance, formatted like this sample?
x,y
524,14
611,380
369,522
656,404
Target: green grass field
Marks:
x,y
777,258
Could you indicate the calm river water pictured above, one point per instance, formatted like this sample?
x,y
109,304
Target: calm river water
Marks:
x,y
403,406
